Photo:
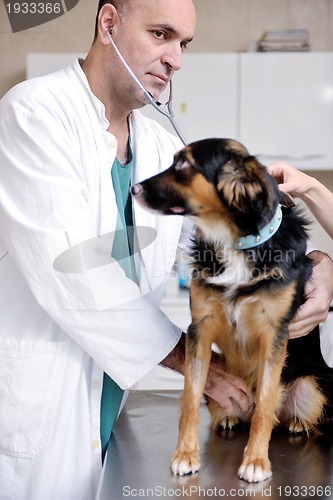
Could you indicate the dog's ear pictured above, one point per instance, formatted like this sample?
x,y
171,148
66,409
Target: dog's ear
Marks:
x,y
240,184
286,200
244,187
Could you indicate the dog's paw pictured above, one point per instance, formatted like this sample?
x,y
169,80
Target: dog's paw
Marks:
x,y
184,462
255,471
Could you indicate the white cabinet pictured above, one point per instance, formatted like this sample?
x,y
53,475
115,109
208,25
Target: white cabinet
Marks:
x,y
286,107
42,63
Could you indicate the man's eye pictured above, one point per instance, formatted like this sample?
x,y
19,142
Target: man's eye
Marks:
x,y
159,34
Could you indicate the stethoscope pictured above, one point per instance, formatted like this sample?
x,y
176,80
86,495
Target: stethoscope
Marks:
x,y
164,109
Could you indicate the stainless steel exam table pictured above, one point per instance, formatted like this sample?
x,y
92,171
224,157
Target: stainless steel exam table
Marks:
x,y
145,436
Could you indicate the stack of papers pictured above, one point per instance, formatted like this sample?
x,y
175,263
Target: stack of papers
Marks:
x,y
287,40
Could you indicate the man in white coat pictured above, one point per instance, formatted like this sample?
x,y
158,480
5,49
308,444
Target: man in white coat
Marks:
x,y
80,318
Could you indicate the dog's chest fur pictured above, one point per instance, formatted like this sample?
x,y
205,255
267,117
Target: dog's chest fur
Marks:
x,y
221,266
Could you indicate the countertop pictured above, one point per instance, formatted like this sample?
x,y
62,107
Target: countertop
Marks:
x,y
144,439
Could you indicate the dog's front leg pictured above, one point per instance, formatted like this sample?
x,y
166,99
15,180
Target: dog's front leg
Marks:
x,y
256,465
198,353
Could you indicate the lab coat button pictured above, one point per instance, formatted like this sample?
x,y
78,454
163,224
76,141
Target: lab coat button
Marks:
x,y
95,443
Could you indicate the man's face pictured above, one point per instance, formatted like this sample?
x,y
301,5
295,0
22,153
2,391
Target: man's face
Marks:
x,y
151,39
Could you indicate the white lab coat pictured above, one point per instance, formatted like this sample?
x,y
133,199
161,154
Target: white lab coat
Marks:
x,y
66,315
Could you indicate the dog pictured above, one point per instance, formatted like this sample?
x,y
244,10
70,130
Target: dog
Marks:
x,y
249,269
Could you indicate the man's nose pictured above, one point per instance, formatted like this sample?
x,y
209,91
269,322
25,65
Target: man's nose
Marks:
x,y
173,57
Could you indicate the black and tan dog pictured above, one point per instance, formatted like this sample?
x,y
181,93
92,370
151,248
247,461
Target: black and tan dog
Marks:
x,y
249,269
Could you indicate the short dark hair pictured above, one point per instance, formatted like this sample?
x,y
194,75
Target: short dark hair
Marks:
x,y
118,4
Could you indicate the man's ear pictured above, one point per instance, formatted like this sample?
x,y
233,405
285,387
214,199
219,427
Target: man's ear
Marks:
x,y
108,19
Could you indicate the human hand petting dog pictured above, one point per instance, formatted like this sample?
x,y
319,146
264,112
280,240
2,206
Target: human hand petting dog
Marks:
x,y
319,293
317,197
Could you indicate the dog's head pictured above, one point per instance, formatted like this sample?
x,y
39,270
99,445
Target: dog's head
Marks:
x,y
214,181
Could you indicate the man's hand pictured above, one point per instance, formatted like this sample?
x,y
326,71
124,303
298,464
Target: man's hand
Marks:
x,y
319,293
229,391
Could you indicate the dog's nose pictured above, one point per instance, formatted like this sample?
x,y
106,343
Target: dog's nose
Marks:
x,y
136,189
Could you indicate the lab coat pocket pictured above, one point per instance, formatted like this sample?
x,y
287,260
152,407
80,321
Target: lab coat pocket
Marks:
x,y
31,377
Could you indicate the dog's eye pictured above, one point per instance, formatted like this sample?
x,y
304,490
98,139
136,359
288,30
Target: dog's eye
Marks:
x,y
181,164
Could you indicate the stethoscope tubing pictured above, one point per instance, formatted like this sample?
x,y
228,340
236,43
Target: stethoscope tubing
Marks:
x,y
157,105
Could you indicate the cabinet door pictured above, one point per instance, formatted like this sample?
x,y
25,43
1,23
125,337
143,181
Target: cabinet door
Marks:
x,y
204,97
286,107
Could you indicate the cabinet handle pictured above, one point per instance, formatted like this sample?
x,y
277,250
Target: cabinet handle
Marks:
x,y
294,157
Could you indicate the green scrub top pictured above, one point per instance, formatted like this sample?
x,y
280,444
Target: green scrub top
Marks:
x,y
122,251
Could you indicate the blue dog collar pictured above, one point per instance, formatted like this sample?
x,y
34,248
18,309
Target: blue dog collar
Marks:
x,y
253,240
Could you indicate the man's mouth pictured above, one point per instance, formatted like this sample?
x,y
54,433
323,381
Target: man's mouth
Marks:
x,y
160,79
